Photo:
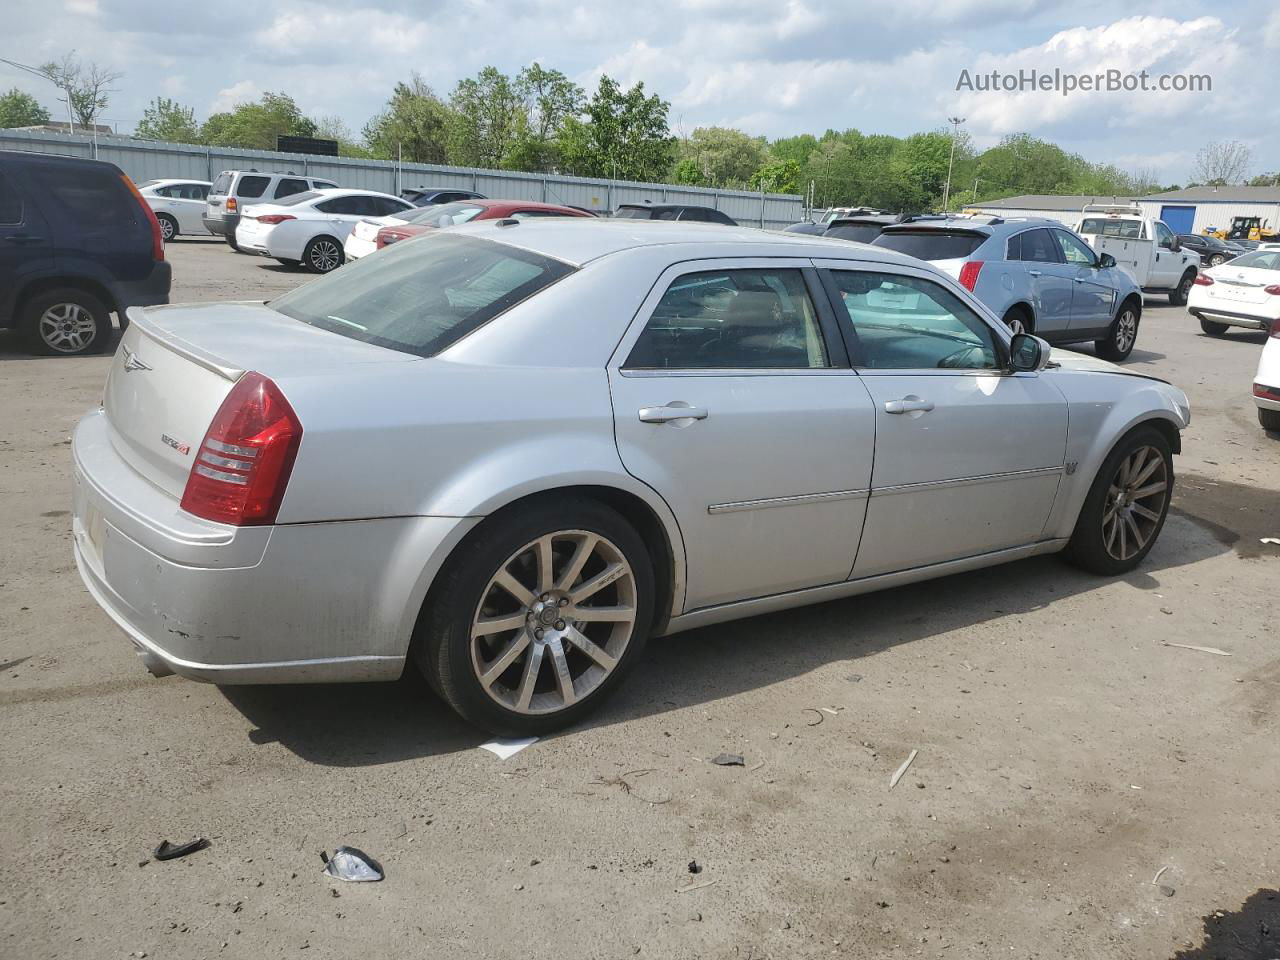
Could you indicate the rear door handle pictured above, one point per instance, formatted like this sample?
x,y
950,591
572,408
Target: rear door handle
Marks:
x,y
22,238
1078,279
908,405
1034,273
677,410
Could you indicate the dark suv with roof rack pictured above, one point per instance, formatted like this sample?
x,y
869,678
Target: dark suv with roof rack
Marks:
x,y
684,212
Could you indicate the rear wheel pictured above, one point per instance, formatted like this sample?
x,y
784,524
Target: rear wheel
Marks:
x,y
1216,259
1019,320
1212,327
1126,506
1270,419
539,617
168,226
1121,337
231,242
322,254
1178,296
66,322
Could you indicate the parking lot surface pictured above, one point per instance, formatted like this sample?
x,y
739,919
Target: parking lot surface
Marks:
x,y
1067,752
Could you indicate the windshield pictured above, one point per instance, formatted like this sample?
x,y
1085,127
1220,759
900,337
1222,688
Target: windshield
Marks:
x,y
858,232
442,215
424,295
1259,259
931,244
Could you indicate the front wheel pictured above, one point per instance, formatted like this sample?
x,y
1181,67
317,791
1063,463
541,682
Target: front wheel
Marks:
x,y
322,255
1120,339
1178,296
1216,260
539,617
1126,506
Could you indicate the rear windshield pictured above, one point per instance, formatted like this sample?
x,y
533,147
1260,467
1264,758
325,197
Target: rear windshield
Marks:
x,y
423,295
931,244
860,232
1260,259
442,215
634,213
1106,227
93,198
222,184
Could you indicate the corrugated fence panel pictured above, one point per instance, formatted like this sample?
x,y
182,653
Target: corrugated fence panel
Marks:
x,y
147,160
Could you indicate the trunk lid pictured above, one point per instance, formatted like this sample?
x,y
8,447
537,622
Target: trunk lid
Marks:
x,y
1241,284
176,365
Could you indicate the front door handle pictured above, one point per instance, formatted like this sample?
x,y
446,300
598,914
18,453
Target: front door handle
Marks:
x,y
1078,279
676,410
23,238
908,405
1034,273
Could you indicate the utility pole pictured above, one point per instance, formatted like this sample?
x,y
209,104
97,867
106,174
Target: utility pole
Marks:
x,y
976,181
955,132
71,119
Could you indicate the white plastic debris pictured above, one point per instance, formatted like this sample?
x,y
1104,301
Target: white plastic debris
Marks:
x,y
352,865
893,781
505,749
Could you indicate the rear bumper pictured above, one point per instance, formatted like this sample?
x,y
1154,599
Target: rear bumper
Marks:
x,y
223,225
296,603
148,292
355,247
1232,318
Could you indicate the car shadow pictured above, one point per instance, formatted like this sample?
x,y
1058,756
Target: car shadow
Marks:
x,y
361,724
14,347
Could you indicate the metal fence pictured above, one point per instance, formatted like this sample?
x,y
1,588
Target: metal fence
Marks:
x,y
149,160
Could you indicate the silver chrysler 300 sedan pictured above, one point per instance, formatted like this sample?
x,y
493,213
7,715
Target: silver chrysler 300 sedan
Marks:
x,y
510,452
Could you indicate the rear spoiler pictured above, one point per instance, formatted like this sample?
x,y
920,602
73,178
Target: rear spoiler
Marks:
x,y
147,325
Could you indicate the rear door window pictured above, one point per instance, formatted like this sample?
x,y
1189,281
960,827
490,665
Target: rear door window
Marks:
x,y
931,244
1038,247
93,198
10,203
252,186
222,184
289,186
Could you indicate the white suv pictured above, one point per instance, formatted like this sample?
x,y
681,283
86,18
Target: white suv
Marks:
x,y
232,189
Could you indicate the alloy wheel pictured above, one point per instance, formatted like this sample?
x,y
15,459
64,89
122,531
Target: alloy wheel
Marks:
x,y
1015,323
167,229
1135,503
325,255
1126,331
67,327
553,622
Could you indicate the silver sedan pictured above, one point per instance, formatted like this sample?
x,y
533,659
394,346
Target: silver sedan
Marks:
x,y
509,453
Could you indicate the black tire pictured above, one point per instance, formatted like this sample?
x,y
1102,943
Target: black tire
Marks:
x,y
231,242
1212,327
1122,335
442,642
1178,295
1270,419
168,226
1088,549
46,315
323,254
1019,320
1216,260
288,263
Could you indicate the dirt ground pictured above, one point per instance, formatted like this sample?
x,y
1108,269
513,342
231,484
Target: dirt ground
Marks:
x,y
1065,754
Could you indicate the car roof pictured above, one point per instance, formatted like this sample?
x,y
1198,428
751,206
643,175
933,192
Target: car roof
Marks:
x,y
21,156
351,191
161,180
579,240
489,203
987,227
665,206
866,218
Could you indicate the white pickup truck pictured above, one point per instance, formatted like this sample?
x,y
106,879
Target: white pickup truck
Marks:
x,y
1145,247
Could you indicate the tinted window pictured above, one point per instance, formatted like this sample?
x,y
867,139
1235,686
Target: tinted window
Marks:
x,y
1259,259
634,213
222,184
1075,250
250,187
527,214
385,206
1014,251
694,214
664,214
323,185
421,297
10,202
907,323
94,198
297,198
447,214
165,191
931,244
347,206
732,320
1038,247
289,186
1105,227
716,216
858,232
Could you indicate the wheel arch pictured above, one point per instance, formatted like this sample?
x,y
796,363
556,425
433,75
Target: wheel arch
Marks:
x,y
41,285
1133,298
1024,307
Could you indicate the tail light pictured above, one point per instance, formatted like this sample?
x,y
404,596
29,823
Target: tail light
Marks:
x,y
157,238
969,274
1203,280
1265,393
274,217
1274,289
232,205
243,466
386,236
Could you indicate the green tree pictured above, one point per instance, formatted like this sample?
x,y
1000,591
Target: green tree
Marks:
x,y
18,109
549,99
415,121
168,120
624,135
257,125
777,176
333,127
723,156
486,121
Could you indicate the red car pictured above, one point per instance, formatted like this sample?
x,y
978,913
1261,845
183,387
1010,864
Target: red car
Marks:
x,y
464,211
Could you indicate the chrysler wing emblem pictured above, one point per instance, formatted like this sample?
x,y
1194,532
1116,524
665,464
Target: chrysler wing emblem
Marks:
x,y
131,361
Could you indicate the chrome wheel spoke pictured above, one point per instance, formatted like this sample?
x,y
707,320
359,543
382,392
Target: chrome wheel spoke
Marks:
x,y
580,554
564,680
1142,511
487,626
579,640
506,658
1135,503
1124,545
1148,469
1150,490
606,614
545,561
529,680
1138,538
509,583
597,583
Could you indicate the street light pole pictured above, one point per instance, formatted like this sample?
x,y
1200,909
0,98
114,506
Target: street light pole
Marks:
x,y
955,132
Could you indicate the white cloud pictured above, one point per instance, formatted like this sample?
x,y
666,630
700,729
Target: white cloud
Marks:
x,y
1271,32
228,97
87,8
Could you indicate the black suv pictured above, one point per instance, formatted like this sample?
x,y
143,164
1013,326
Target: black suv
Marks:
x,y
77,243
427,196
684,212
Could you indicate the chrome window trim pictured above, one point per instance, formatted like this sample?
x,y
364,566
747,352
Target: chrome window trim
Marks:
x,y
737,506
735,372
963,481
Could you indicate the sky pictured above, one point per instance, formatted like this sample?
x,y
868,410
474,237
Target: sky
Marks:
x,y
769,67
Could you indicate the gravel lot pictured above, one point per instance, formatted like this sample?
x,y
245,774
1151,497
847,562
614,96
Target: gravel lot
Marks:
x,y
1065,754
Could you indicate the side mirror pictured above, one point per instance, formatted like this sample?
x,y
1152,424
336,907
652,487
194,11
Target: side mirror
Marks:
x,y
1028,354
1106,261
1175,245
